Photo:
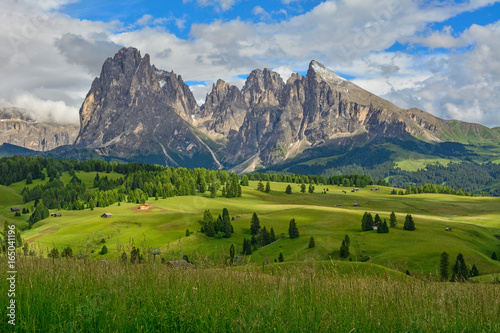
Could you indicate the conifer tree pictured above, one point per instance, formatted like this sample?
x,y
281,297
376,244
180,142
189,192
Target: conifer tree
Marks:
x,y
231,252
265,238
272,235
444,266
247,247
293,231
268,187
367,222
311,188
473,271
254,224
460,271
409,223
494,256
288,189
281,258
303,188
104,250
29,179
311,242
210,229
344,250
378,220
393,220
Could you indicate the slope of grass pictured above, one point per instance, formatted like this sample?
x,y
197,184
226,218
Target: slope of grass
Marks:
x,y
475,222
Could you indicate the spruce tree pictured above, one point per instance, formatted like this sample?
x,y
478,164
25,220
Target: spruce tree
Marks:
x,y
231,252
210,229
311,242
288,189
367,222
473,271
268,187
444,266
494,256
311,188
272,235
104,250
264,237
460,271
29,179
303,188
254,224
347,241
409,223
281,258
344,250
393,220
293,231
378,220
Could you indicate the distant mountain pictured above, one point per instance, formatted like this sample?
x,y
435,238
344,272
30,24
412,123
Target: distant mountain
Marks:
x,y
136,112
18,129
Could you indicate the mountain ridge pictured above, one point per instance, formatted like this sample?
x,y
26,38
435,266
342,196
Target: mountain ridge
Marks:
x,y
135,111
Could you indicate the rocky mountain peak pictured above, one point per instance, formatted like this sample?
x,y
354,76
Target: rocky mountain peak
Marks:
x,y
263,86
319,72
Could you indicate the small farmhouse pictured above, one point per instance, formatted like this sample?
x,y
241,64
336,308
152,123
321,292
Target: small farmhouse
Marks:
x,y
55,214
144,206
448,229
339,205
355,189
15,210
376,189
106,215
356,205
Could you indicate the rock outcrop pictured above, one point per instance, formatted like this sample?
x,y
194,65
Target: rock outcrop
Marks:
x,y
18,129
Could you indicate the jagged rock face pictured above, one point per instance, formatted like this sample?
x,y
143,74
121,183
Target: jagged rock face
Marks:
x,y
20,130
224,110
134,110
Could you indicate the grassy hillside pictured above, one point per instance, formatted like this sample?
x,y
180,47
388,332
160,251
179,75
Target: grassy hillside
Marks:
x,y
475,223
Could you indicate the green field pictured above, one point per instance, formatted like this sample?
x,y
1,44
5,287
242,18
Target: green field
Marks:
x,y
313,290
475,223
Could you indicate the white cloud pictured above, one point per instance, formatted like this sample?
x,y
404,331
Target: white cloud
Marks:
x,y
52,57
44,110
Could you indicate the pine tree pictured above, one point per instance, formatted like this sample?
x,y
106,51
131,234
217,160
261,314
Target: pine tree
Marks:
x,y
247,247
383,228
254,224
409,223
311,242
344,250
244,180
444,266
187,233
303,188
494,256
231,251
473,271
311,188
226,222
272,235
265,238
367,222
288,189
293,231
378,220
104,250
347,241
210,229
393,220
460,271
268,187
29,179
281,258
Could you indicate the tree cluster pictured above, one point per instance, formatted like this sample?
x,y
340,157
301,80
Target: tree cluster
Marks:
x,y
220,227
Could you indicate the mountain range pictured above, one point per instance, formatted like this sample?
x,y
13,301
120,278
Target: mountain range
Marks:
x,y
137,112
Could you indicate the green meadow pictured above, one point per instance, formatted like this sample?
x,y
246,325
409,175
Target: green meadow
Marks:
x,y
313,290
475,224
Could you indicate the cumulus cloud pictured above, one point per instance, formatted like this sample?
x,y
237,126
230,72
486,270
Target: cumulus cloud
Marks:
x,y
44,110
53,57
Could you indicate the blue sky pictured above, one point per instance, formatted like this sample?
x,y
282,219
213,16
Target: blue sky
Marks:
x,y
438,55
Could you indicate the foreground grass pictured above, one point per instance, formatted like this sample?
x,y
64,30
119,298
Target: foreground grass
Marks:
x,y
91,296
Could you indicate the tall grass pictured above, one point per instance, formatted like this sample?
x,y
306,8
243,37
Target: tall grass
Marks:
x,y
89,296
